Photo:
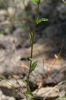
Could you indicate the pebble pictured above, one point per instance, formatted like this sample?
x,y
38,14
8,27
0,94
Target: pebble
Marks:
x,y
4,97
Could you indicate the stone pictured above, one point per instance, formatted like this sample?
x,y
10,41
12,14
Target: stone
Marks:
x,y
2,18
6,42
48,74
18,32
61,8
6,90
11,12
51,31
4,97
21,4
3,12
58,91
48,93
8,83
21,37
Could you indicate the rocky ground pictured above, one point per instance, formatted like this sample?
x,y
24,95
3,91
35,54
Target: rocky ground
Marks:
x,y
48,80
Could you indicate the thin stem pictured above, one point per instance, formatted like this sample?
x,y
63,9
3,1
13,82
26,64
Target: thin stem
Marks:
x,y
34,29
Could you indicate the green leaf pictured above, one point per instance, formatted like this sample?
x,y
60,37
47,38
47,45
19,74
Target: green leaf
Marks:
x,y
31,38
2,32
29,93
36,1
25,80
33,66
31,59
64,1
6,30
40,20
61,99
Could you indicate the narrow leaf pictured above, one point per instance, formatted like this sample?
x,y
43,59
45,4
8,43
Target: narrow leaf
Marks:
x,y
31,37
29,93
36,1
40,20
25,80
60,99
64,1
33,66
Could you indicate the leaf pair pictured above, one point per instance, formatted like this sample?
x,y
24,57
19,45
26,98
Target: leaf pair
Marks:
x,y
40,20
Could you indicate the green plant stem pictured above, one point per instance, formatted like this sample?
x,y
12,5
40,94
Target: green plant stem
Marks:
x,y
34,29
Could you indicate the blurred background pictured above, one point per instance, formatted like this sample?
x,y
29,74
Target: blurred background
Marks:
x,y
16,22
